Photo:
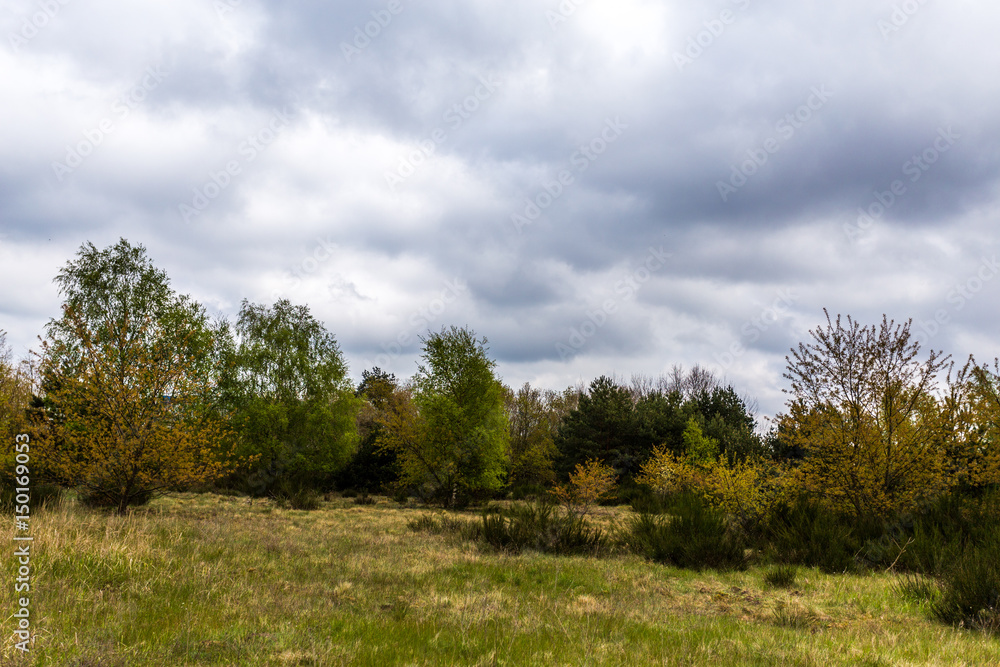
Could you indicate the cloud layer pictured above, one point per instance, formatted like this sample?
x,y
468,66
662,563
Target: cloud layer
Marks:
x,y
597,187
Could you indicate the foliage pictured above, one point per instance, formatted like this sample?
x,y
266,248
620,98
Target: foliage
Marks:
x,y
749,490
372,468
864,410
622,426
300,498
728,419
700,451
693,535
604,426
973,414
287,395
970,590
15,400
539,527
450,432
127,381
668,473
588,483
532,436
806,532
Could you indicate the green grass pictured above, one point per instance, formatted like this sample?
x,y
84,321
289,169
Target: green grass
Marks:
x,y
213,580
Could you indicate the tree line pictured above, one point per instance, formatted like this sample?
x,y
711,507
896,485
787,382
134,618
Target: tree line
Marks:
x,y
136,391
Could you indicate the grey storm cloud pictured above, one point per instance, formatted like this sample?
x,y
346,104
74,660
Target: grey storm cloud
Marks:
x,y
846,153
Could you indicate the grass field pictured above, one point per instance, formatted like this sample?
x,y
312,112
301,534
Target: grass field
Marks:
x,y
213,580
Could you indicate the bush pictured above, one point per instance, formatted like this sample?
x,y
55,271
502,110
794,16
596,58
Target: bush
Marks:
x,y
807,533
364,499
694,535
302,498
538,526
588,483
644,500
971,590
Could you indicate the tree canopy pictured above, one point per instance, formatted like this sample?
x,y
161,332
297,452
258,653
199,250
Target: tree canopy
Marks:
x,y
286,392
127,381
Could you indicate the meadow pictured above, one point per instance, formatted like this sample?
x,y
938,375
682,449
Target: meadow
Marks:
x,y
205,579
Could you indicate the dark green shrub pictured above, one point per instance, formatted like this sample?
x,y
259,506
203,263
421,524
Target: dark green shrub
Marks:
x,y
646,501
693,535
807,533
539,527
970,590
302,498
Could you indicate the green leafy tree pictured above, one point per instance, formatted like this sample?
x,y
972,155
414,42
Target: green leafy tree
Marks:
x,y
532,436
699,448
452,437
127,382
286,390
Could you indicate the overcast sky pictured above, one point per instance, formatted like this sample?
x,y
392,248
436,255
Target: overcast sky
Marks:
x,y
598,187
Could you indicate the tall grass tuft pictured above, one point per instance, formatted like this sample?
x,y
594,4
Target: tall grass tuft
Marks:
x,y
781,576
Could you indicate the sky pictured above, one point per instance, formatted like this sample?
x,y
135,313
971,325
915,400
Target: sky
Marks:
x,y
597,187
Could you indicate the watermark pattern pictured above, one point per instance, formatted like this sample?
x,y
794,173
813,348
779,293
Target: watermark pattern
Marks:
x,y
22,554
901,15
31,26
752,329
914,168
421,319
786,129
565,9
625,290
455,117
321,252
711,31
77,153
581,161
958,297
225,7
363,35
249,150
